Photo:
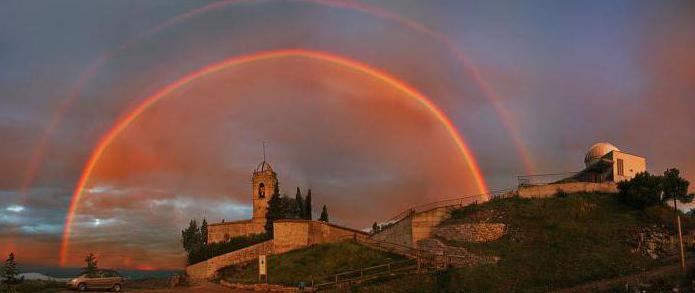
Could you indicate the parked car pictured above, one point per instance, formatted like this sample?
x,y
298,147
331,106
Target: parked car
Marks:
x,y
99,279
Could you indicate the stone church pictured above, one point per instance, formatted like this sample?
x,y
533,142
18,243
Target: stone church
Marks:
x,y
264,181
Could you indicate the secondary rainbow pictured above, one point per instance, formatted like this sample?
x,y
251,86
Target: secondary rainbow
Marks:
x,y
377,74
375,11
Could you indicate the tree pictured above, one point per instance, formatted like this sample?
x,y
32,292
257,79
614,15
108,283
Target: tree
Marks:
x,y
324,214
204,232
10,270
307,206
299,203
642,191
91,266
646,190
191,236
273,213
675,187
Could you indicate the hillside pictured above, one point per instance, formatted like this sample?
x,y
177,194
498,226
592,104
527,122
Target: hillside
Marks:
x,y
550,244
318,263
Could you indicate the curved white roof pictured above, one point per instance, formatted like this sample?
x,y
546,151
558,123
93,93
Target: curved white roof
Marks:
x,y
597,151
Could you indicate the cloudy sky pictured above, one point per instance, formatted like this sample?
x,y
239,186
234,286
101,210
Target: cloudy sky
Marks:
x,y
529,86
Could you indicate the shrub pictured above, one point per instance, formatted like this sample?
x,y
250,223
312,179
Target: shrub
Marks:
x,y
642,191
205,252
645,190
560,193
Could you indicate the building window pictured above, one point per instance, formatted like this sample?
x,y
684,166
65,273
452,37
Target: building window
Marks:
x,y
621,170
261,190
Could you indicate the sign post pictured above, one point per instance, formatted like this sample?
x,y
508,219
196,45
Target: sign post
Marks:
x,y
262,268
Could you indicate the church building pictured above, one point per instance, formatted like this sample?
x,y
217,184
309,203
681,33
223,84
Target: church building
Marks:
x,y
263,183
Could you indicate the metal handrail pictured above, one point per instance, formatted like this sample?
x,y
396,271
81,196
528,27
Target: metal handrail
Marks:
x,y
445,202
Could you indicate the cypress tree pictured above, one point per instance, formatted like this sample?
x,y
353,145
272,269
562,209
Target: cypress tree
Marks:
x,y
204,232
299,203
307,206
324,214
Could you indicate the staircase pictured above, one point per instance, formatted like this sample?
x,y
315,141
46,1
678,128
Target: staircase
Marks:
x,y
416,223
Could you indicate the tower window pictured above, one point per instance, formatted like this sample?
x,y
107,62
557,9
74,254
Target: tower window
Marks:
x,y
621,170
261,190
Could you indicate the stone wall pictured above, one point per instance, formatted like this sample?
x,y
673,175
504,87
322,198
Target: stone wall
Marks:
x,y
400,232
479,232
425,222
219,232
549,190
414,227
293,234
288,235
208,268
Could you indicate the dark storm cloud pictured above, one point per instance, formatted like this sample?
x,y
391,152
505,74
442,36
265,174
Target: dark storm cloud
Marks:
x,y
569,74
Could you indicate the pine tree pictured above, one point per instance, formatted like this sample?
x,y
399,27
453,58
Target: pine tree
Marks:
x,y
10,270
307,206
324,214
299,203
204,232
91,266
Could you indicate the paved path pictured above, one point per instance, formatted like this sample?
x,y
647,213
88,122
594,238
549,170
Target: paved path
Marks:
x,y
206,287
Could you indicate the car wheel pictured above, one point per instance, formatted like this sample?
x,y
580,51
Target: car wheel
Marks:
x,y
116,288
82,287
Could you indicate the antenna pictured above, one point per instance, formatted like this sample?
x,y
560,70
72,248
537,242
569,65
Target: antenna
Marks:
x,y
263,151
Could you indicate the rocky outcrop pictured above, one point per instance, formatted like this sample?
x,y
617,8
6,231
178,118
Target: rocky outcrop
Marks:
x,y
654,242
480,232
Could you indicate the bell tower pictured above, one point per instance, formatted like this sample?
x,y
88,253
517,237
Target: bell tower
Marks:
x,y
264,181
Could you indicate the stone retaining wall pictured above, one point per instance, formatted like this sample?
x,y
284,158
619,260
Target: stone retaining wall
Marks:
x,y
479,232
207,269
293,234
549,190
415,227
288,235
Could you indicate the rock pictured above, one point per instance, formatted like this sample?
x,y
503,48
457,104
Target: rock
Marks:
x,y
479,232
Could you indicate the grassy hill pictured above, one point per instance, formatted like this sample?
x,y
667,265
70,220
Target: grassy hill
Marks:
x,y
551,244
312,263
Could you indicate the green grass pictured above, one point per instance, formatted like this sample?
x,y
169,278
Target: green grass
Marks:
x,y
552,243
312,263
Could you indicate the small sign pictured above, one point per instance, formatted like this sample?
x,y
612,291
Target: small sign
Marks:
x,y
262,268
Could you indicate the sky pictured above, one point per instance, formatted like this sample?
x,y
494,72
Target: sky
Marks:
x,y
529,86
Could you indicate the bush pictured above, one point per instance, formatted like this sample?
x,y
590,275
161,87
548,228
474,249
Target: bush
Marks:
x,y
205,252
560,193
642,191
645,190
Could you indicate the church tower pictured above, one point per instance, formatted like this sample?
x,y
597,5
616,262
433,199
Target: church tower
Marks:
x,y
264,181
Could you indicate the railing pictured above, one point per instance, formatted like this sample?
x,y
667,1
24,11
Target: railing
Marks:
x,y
543,179
459,201
349,278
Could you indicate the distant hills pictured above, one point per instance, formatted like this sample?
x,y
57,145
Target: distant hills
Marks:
x,y
37,272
